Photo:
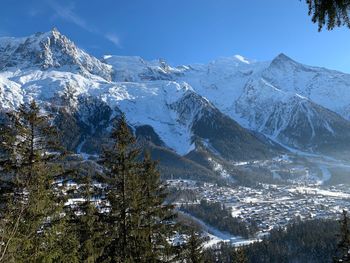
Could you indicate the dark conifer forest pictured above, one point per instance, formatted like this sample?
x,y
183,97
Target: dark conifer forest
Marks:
x,y
53,210
120,215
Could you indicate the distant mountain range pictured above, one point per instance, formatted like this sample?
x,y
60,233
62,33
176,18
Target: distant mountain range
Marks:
x,y
194,118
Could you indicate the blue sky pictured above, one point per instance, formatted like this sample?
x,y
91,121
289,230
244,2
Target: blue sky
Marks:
x,y
183,31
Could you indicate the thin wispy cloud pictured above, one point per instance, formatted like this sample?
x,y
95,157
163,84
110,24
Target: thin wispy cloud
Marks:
x,y
67,13
113,38
33,12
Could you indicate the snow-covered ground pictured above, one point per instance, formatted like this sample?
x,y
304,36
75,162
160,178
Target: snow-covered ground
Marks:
x,y
317,191
216,236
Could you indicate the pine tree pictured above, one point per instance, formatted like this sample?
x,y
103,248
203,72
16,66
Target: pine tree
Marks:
x,y
193,251
330,13
240,256
8,160
89,224
33,221
140,220
122,194
157,222
343,249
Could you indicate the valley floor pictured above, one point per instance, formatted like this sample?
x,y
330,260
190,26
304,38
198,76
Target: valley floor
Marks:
x,y
269,205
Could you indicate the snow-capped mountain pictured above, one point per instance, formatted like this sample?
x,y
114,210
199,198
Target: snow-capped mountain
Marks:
x,y
49,50
86,94
135,69
292,119
231,109
297,105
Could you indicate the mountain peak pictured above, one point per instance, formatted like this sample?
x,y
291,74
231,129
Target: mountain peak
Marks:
x,y
282,61
40,37
55,33
54,29
51,50
283,57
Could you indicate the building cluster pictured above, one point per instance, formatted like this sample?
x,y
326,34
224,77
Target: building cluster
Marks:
x,y
271,206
